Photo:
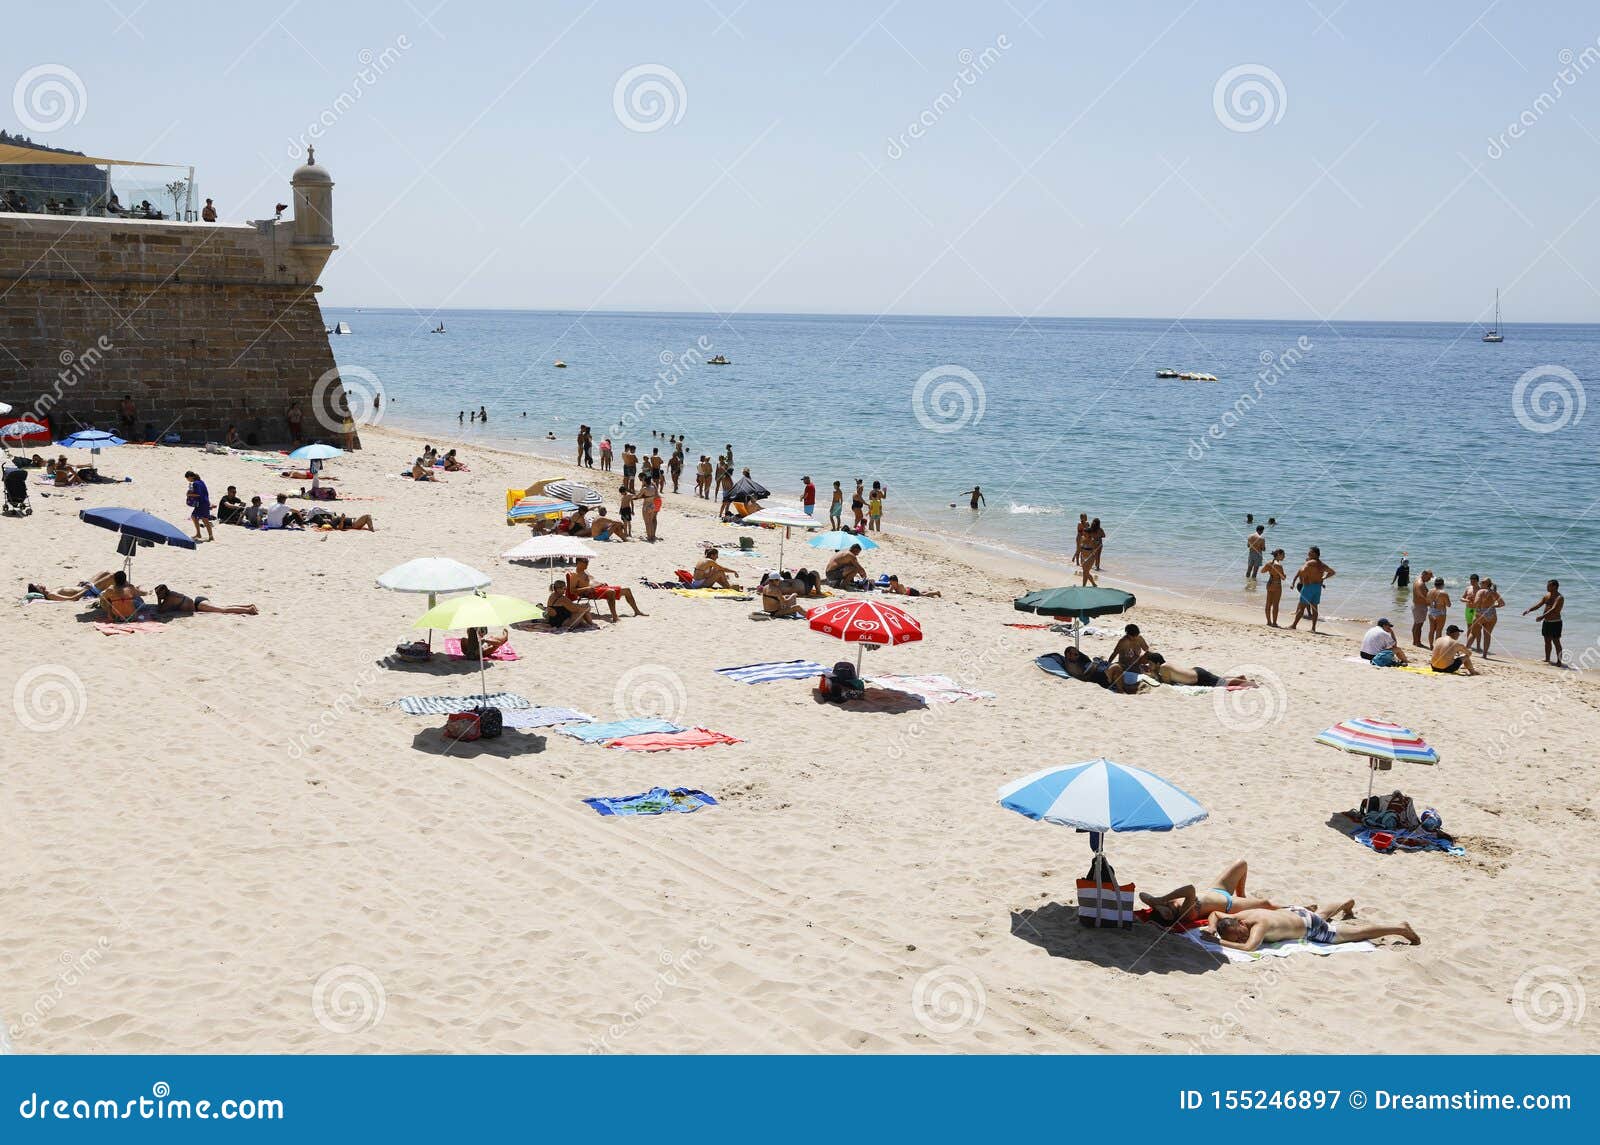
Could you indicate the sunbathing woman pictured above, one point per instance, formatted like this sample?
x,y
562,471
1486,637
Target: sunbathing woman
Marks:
x,y
85,588
176,602
477,644
779,599
899,589
709,574
561,611
1226,895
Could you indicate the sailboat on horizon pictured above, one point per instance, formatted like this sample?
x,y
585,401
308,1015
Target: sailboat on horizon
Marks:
x,y
1492,334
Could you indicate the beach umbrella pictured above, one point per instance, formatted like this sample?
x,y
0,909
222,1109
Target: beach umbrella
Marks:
x,y
789,519
1081,603
1101,796
864,622
538,486
550,547
480,610
839,540
24,431
136,527
574,491
94,440
4,408
1381,742
316,453
529,508
746,489
433,575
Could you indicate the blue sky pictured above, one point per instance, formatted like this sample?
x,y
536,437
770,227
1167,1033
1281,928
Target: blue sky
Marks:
x,y
1087,170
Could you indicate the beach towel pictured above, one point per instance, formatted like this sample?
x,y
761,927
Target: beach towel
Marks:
x,y
767,673
1029,627
673,741
546,717
453,705
648,583
653,802
1276,949
1412,668
770,616
1406,841
616,729
1051,662
1195,689
129,627
935,689
713,593
452,648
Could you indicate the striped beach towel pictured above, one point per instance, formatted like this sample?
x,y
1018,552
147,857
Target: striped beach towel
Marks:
x,y
616,729
546,717
767,673
452,705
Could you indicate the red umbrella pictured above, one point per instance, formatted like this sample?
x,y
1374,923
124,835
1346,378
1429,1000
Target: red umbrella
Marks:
x,y
863,622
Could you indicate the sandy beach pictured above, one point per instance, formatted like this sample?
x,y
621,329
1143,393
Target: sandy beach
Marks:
x,y
216,837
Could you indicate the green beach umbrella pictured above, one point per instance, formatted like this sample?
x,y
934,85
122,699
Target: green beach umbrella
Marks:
x,y
480,610
1079,603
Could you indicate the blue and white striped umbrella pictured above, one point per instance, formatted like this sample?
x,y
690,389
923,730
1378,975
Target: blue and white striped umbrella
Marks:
x,y
544,509
1102,796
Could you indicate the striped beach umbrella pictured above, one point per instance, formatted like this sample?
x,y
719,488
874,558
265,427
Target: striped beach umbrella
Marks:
x,y
1381,742
863,622
574,491
529,508
1101,796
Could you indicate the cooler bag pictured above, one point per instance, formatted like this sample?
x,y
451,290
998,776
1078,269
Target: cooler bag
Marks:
x,y
1102,901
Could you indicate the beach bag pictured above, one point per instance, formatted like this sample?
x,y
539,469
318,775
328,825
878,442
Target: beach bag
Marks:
x,y
842,684
491,722
746,544
683,575
1385,659
416,652
462,726
1102,902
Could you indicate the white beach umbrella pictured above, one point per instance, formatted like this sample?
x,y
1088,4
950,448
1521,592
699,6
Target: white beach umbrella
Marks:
x,y
550,546
788,518
433,575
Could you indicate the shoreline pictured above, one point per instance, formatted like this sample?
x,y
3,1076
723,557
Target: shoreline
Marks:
x,y
1028,568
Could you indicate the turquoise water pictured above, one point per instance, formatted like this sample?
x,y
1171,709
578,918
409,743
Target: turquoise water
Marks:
x,y
1368,439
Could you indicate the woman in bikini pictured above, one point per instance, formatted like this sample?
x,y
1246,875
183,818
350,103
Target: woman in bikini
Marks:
x,y
1275,575
1487,601
1188,905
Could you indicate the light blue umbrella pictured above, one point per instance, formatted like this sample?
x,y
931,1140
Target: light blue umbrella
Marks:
x,y
93,440
839,541
548,509
316,453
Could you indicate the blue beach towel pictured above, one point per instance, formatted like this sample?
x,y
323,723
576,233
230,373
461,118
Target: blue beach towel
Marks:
x,y
1051,662
452,705
546,717
1410,841
653,802
767,673
601,733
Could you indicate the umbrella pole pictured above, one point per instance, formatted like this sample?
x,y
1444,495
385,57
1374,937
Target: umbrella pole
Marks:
x,y
1077,633
432,601
859,650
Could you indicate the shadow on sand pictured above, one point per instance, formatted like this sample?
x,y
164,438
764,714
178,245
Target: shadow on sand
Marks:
x,y
1145,949
510,744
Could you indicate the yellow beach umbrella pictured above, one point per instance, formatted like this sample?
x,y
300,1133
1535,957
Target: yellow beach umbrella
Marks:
x,y
480,610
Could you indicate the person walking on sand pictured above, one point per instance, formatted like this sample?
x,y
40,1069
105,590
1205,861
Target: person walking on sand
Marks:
x,y
1097,542
1438,609
1275,574
1550,620
199,499
1419,606
605,455
1309,580
1255,546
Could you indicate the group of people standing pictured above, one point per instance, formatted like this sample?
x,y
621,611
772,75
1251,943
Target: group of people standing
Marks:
x,y
1089,549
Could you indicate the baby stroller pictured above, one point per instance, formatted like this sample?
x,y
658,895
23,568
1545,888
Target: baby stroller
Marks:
x,y
16,485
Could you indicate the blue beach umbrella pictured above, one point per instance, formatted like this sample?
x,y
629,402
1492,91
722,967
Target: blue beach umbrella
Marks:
x,y
136,527
94,440
1101,796
316,453
545,508
839,541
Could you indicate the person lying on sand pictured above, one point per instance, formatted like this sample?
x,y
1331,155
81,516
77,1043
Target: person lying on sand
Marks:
x,y
341,522
168,601
477,644
1225,896
1248,929
709,574
562,612
845,570
582,586
899,589
1156,665
84,588
1080,667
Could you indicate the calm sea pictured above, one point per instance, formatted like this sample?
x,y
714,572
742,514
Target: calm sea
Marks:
x,y
1368,439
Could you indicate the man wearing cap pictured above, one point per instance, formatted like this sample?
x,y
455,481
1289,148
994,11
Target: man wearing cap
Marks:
x,y
1450,655
1379,639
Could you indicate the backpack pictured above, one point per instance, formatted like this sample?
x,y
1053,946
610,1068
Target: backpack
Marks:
x,y
491,722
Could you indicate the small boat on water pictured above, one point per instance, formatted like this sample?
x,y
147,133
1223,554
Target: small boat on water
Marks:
x,y
1492,334
1166,373
560,365
341,328
439,329
719,360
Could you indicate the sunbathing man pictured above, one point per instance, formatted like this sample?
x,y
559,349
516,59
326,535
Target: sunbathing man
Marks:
x,y
600,528
421,472
1157,665
899,589
1080,667
1248,929
1225,895
582,586
85,588
561,611
1450,655
176,602
845,570
709,574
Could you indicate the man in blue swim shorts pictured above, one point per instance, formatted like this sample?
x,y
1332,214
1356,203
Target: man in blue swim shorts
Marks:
x,y
1250,929
1309,580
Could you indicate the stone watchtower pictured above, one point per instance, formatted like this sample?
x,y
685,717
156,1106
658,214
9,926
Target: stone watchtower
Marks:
x,y
202,325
